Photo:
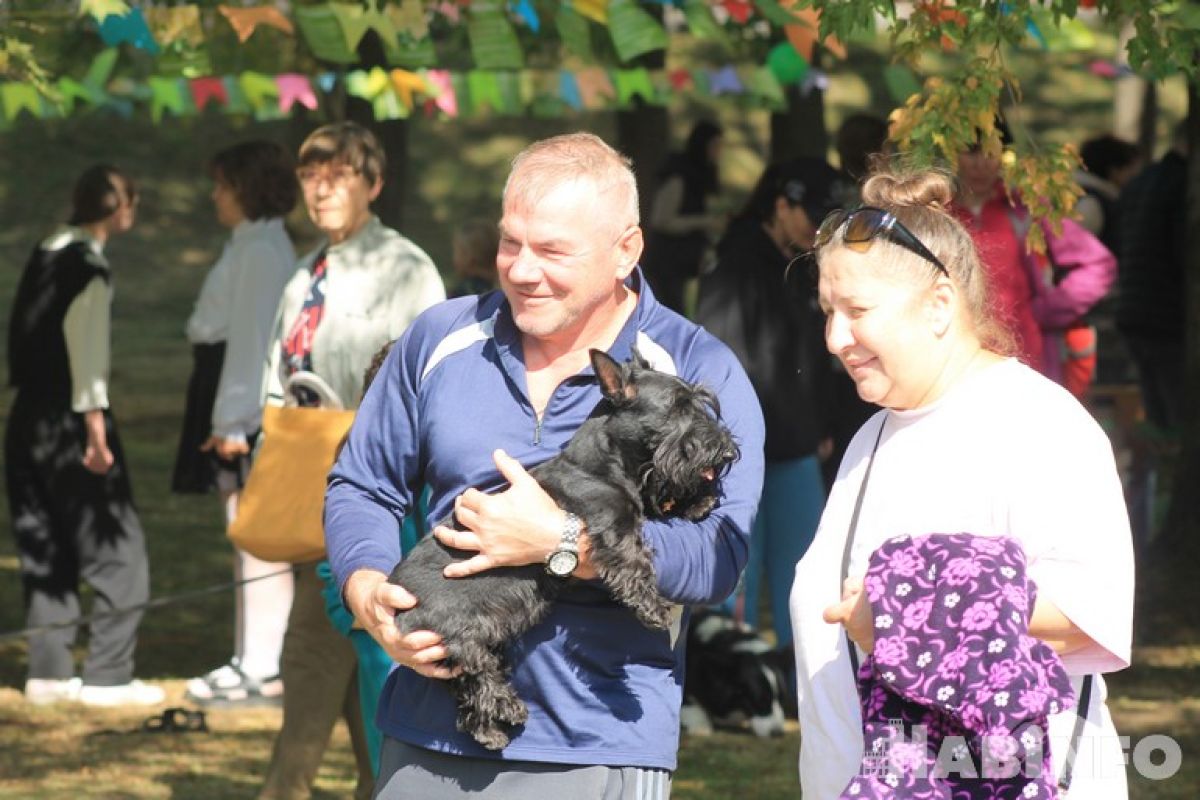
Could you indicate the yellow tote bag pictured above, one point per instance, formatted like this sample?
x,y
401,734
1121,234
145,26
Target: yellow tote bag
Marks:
x,y
279,511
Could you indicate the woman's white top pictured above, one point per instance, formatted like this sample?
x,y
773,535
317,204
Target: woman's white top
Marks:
x,y
87,324
1005,453
376,283
237,306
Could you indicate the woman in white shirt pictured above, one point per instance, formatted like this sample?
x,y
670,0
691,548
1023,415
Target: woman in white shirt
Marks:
x,y
68,484
968,441
254,186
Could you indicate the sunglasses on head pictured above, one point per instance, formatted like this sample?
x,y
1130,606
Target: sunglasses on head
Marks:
x,y
864,224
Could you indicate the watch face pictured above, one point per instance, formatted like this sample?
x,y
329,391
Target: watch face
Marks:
x,y
562,563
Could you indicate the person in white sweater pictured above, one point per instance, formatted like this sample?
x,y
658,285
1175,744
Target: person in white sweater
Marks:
x,y
357,291
254,187
968,441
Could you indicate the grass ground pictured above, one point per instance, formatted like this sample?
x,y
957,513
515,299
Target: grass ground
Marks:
x,y
456,172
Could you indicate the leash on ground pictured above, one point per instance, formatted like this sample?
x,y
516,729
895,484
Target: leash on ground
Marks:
x,y
157,602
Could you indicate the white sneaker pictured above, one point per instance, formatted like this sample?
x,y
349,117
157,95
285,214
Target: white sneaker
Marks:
x,y
134,693
46,691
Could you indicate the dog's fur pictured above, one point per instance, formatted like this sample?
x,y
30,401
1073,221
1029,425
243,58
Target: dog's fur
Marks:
x,y
654,447
735,677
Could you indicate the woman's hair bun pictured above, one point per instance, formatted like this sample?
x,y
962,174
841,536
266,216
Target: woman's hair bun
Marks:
x,y
930,188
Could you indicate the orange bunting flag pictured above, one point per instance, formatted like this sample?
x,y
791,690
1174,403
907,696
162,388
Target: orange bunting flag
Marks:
x,y
245,20
406,84
803,35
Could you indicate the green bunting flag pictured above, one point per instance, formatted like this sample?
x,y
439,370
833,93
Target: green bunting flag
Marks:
x,y
634,32
494,43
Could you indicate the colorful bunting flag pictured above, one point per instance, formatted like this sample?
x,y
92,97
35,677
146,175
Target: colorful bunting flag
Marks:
x,y
681,79
595,10
71,90
208,89
18,97
131,28
447,98
166,94
764,86
323,34
725,81
528,14
786,64
99,9
803,34
294,89
631,83
568,89
406,84
356,21
409,18
175,23
494,43
634,32
595,87
245,20
484,91
261,92
699,16
739,10
574,33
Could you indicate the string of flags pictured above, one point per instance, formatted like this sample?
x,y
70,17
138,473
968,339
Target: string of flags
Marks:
x,y
332,31
399,94
415,83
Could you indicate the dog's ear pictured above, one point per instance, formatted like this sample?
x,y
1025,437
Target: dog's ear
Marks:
x,y
639,360
614,380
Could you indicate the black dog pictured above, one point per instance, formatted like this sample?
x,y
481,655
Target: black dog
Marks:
x,y
653,447
735,677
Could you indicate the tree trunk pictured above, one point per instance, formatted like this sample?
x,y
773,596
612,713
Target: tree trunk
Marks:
x,y
800,130
644,132
392,133
644,135
1181,535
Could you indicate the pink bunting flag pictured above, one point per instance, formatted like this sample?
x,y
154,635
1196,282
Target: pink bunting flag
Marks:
x,y
446,100
294,89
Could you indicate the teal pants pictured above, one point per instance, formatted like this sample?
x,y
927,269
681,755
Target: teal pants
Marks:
x,y
792,501
374,665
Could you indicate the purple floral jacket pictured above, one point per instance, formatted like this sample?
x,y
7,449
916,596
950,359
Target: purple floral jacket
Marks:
x,y
955,694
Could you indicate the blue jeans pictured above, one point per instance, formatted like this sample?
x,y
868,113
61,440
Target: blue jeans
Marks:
x,y
792,501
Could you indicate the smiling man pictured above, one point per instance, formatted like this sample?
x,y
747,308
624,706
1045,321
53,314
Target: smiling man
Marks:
x,y
510,371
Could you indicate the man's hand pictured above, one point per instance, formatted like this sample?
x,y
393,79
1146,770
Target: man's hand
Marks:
x,y
854,613
518,526
374,603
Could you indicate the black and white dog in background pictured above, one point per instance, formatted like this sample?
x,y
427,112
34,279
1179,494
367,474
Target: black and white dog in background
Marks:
x,y
735,677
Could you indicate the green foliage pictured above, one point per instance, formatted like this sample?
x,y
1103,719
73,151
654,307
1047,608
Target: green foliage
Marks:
x,y
956,110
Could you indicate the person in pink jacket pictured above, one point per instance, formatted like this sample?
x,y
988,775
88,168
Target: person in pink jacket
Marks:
x,y
1041,298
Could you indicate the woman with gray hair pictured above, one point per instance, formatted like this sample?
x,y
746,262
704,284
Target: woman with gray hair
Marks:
x,y
354,293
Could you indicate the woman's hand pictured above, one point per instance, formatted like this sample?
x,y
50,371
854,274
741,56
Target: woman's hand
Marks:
x,y
374,603
854,613
97,458
518,526
226,449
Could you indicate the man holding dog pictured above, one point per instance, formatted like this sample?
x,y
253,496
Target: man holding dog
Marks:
x,y
478,389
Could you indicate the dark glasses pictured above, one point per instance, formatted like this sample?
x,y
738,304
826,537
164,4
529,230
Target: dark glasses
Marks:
x,y
864,224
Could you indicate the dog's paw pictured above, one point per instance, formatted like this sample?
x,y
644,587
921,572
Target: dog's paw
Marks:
x,y
491,737
511,710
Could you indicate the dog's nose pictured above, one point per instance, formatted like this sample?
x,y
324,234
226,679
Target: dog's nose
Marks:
x,y
707,473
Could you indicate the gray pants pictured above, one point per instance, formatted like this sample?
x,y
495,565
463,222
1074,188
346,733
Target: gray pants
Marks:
x,y
414,773
72,526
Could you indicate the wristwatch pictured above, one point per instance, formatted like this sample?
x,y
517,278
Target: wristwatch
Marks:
x,y
564,559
